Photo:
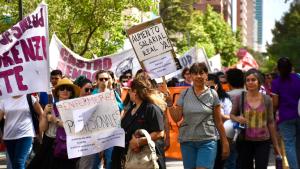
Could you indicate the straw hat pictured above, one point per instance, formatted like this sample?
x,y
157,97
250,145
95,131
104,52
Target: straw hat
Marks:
x,y
66,82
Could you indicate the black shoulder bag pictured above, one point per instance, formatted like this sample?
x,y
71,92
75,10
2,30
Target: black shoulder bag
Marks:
x,y
242,134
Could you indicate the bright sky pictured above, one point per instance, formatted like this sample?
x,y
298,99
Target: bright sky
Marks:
x,y
273,11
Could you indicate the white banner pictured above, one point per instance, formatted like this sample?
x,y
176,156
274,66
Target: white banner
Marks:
x,y
72,65
92,124
215,63
190,57
24,55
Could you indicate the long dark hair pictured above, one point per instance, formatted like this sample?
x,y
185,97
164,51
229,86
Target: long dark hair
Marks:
x,y
221,92
284,67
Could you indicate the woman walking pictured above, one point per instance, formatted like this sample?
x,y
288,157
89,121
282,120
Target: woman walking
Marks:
x,y
18,127
199,106
256,116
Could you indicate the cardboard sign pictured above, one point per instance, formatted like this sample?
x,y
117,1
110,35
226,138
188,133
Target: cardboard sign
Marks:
x,y
151,44
92,124
24,55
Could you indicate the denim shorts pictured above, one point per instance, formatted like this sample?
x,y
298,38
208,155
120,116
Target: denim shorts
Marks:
x,y
198,154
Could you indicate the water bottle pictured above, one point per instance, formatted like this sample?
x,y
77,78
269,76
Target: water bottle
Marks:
x,y
278,162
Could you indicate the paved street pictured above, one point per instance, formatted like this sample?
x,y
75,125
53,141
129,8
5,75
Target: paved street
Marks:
x,y
171,163
175,164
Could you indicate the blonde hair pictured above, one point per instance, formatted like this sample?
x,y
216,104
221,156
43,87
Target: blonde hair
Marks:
x,y
146,92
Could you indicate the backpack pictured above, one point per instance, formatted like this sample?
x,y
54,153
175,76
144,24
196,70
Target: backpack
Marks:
x,y
34,114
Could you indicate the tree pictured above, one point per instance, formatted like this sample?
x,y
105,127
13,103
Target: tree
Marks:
x,y
81,24
286,37
189,28
226,42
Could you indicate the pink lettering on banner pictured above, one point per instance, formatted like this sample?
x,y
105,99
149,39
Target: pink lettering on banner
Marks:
x,y
80,64
33,21
107,63
71,60
31,48
68,71
5,60
5,38
44,47
75,73
38,21
88,65
27,49
64,54
18,32
36,40
102,64
15,54
19,79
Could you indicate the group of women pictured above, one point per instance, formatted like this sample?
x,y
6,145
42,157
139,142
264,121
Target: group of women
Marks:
x,y
202,108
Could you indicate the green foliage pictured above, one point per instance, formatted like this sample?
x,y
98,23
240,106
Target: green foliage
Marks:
x,y
225,41
286,38
81,24
189,28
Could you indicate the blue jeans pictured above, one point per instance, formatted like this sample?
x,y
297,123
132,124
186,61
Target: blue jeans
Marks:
x,y
108,161
18,151
230,162
198,154
289,130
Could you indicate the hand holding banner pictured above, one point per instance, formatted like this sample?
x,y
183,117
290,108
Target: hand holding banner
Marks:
x,y
92,124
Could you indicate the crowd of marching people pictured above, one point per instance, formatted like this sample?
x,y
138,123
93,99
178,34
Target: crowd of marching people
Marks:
x,y
226,120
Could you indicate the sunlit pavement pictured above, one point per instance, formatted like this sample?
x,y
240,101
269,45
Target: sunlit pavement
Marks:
x,y
177,164
171,163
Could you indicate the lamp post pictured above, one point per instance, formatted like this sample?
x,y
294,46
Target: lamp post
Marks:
x,y
20,10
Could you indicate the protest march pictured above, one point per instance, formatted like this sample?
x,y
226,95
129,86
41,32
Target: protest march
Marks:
x,y
138,107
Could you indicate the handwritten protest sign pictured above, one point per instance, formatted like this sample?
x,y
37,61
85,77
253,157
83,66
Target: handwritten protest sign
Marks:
x,y
73,65
24,55
92,124
150,42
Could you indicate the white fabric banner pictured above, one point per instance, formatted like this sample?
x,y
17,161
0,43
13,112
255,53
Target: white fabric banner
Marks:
x,y
190,57
24,55
72,65
92,124
215,63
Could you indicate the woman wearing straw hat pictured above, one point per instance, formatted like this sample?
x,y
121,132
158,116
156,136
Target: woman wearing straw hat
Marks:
x,y
65,89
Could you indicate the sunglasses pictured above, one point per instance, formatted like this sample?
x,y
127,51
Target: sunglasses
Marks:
x,y
128,77
105,79
88,90
212,87
68,88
